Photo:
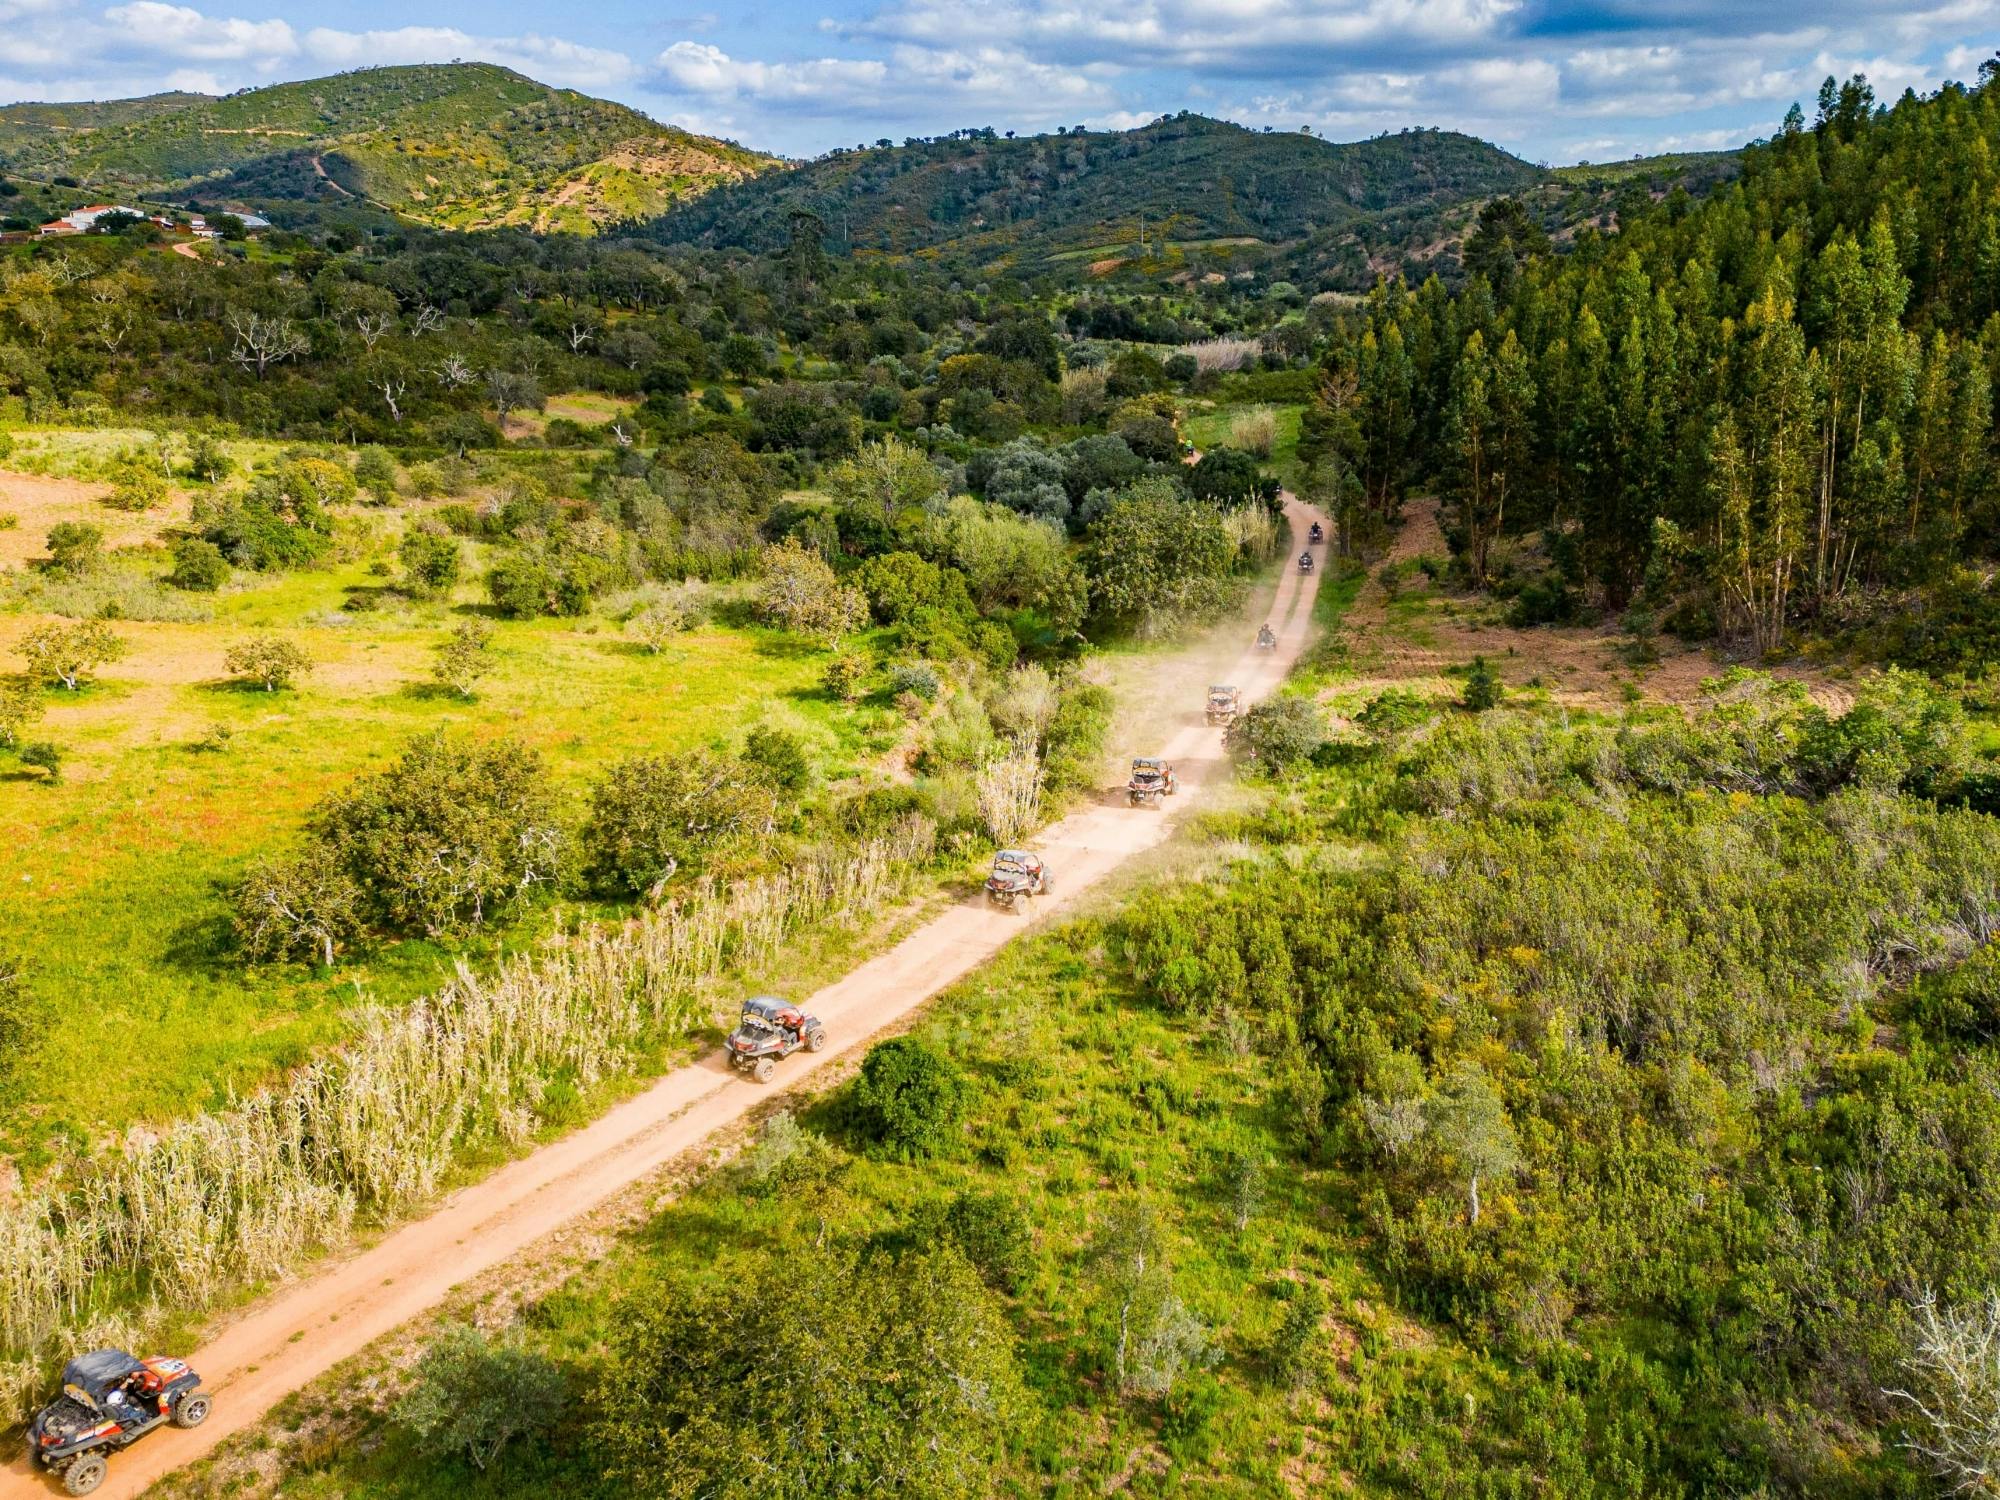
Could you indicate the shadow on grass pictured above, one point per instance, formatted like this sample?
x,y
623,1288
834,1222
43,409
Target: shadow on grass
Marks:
x,y
246,687
785,647
205,944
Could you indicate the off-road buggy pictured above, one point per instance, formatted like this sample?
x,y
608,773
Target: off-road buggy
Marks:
x,y
1223,703
1267,638
1151,780
1017,876
770,1029
1305,562
108,1400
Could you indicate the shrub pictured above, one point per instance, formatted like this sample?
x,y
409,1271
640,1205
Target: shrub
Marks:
x,y
75,547
779,757
1483,687
20,706
910,1098
139,486
44,757
990,1229
843,676
917,678
430,560
800,593
268,659
375,472
473,1396
199,566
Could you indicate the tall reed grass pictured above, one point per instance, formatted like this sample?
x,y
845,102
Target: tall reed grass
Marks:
x,y
1218,356
111,1246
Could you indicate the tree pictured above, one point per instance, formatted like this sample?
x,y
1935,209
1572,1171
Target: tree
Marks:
x,y
1158,1339
1954,1368
828,1374
44,757
463,658
1506,238
1279,734
910,1098
307,905
137,487
1469,1121
1156,561
654,815
801,593
889,479
262,342
268,659
375,472
20,707
75,547
473,1395
510,391
452,833
430,559
67,652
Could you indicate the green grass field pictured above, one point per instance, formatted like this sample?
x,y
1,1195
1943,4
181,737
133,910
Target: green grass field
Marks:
x,y
118,881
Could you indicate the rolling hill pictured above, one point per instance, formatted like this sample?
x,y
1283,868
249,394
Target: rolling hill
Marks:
x,y
459,146
1185,180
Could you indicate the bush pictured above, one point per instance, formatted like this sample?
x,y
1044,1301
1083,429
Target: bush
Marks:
x,y
910,1098
463,657
779,757
990,1229
474,1396
800,593
75,547
843,676
917,678
199,566
44,757
430,560
375,472
139,486
1483,687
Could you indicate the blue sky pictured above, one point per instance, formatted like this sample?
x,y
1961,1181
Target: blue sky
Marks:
x,y
1554,80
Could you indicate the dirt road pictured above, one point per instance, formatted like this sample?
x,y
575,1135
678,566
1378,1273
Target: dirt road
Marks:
x,y
298,1333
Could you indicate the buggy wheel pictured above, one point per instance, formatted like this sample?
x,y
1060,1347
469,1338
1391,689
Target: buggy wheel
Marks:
x,y
815,1040
85,1474
191,1410
763,1070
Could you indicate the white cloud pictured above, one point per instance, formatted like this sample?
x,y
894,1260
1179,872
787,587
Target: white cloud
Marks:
x,y
180,31
548,59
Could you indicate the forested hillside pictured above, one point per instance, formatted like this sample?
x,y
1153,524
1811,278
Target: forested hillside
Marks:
x,y
459,145
1767,409
1182,181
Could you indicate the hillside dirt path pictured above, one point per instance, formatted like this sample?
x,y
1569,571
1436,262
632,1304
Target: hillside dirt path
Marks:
x,y
287,1339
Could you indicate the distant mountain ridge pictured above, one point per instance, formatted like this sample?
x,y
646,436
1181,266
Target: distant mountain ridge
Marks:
x,y
455,145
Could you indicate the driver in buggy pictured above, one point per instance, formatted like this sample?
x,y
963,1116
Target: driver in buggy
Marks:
x,y
1265,637
134,1399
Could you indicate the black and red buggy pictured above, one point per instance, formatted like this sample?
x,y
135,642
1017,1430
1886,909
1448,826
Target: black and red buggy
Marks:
x,y
1018,877
109,1399
768,1030
1151,779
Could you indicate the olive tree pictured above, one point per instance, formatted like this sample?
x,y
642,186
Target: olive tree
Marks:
x,y
654,815
801,593
1954,1393
69,651
474,1395
269,660
306,906
463,658
834,1374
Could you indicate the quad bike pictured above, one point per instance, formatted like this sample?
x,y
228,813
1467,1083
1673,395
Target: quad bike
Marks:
x,y
769,1030
1305,562
109,1400
1017,877
1223,704
1151,780
1317,534
1267,639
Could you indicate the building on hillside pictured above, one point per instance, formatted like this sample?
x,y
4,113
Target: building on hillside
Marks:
x,y
83,220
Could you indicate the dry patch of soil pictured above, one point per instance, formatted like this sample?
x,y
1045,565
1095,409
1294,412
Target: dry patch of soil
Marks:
x,y
1421,640
38,502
